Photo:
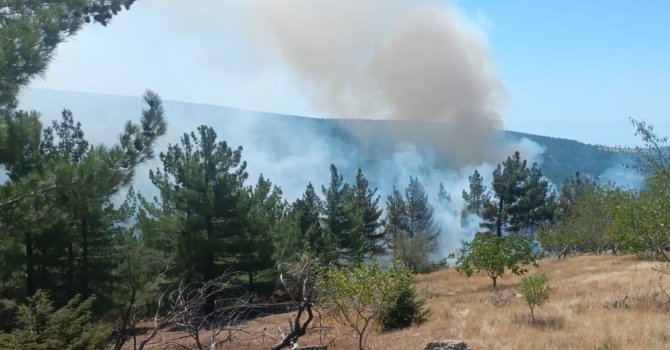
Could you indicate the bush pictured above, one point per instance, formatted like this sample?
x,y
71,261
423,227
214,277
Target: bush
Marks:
x,y
535,290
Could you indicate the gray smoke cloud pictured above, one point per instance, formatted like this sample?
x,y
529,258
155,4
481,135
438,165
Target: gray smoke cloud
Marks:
x,y
400,59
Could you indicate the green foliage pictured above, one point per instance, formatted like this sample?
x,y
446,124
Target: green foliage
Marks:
x,y
535,290
641,223
42,327
409,226
343,222
357,297
30,31
200,214
407,309
494,255
477,196
521,198
585,223
57,209
366,204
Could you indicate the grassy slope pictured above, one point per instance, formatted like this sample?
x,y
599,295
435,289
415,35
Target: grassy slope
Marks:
x,y
574,318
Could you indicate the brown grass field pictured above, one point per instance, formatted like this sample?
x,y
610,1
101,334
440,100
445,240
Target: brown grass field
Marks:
x,y
586,311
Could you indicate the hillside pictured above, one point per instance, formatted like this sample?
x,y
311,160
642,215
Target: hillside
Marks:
x,y
582,312
276,137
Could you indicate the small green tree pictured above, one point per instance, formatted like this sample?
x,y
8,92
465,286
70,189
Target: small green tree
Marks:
x,y
357,297
535,290
494,255
407,309
41,327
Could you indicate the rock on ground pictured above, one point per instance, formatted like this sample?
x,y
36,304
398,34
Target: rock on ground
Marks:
x,y
447,345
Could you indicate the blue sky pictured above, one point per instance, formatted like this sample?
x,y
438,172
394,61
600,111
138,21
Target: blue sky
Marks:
x,y
571,69
579,69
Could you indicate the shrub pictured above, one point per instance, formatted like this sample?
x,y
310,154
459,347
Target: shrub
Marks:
x,y
535,290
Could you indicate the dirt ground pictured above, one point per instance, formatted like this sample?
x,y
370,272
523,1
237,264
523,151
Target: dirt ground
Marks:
x,y
597,302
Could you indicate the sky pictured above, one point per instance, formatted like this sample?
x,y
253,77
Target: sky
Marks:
x,y
570,69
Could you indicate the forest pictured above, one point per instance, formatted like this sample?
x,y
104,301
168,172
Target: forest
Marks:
x,y
216,249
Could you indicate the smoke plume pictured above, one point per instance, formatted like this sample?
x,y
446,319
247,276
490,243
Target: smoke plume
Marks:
x,y
400,59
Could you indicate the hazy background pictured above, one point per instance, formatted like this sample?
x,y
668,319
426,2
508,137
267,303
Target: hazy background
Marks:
x,y
572,69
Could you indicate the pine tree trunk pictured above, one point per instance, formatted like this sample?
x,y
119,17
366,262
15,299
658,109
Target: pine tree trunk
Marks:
x,y
70,271
84,258
30,265
499,218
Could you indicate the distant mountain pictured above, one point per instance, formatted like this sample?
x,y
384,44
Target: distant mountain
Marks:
x,y
294,150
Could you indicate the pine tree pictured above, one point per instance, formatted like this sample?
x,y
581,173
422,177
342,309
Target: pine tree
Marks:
x,y
521,198
396,219
475,199
419,239
253,249
443,197
507,186
342,223
572,190
418,210
201,189
64,188
366,201
535,206
30,31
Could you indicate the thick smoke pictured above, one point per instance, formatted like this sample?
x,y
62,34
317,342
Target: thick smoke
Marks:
x,y
400,59
411,60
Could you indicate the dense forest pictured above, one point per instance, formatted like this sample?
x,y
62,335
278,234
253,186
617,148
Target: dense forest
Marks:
x,y
216,248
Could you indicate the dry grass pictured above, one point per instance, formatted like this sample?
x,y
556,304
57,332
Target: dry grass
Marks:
x,y
588,309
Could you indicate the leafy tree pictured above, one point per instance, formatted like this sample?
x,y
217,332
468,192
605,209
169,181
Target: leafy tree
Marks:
x,y
641,223
585,226
494,255
475,199
42,327
535,290
655,155
357,297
